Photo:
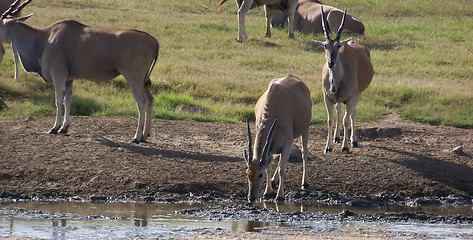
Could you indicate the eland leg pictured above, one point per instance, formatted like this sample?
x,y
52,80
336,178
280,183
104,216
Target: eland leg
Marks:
x,y
139,93
336,133
67,107
275,178
305,157
269,18
329,106
353,138
268,192
60,91
290,19
348,119
16,58
283,159
149,110
244,8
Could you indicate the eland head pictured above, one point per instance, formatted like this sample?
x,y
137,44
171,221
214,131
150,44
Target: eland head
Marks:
x,y
332,46
256,166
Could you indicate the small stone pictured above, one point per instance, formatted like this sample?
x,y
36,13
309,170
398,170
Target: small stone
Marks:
x,y
458,150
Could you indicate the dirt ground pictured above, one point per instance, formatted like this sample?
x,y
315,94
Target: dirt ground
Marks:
x,y
396,158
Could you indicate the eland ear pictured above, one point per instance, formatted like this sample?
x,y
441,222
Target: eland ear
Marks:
x,y
22,19
318,43
342,43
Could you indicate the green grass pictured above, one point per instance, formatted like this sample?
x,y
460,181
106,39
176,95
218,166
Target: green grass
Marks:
x,y
420,50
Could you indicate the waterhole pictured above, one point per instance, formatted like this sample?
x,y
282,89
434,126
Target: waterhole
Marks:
x,y
88,220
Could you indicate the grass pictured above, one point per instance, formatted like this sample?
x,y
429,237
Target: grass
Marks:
x,y
420,51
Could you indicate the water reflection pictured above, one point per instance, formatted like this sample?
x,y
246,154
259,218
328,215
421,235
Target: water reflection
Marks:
x,y
334,209
141,215
66,220
251,226
58,230
59,222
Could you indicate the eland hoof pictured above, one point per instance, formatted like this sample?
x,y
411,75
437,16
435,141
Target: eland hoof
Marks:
x,y
268,196
336,140
345,149
327,150
53,131
354,144
63,131
305,187
135,141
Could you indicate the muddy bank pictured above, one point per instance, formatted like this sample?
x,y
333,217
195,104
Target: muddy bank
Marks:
x,y
398,161
250,212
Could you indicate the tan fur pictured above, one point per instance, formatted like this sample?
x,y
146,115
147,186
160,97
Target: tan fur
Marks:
x,y
343,84
287,101
308,18
356,61
69,50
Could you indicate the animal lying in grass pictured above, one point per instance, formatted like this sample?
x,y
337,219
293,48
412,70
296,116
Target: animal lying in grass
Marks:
x,y
283,113
345,75
308,18
69,50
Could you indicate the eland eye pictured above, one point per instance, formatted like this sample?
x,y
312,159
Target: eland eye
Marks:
x,y
261,175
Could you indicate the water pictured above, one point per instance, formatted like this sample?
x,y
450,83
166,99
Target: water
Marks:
x,y
82,220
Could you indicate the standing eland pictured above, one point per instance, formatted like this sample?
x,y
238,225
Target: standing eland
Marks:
x,y
287,6
283,113
346,74
4,6
69,50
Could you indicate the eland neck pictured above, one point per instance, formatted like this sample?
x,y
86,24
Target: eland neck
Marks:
x,y
336,73
260,138
26,39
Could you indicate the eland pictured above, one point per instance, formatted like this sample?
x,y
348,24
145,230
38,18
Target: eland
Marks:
x,y
287,6
69,50
283,113
4,6
345,75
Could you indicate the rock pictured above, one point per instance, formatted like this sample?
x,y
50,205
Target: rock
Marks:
x,y
458,150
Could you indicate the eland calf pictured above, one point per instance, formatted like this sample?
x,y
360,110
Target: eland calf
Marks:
x,y
345,75
69,50
283,113
4,6
287,6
